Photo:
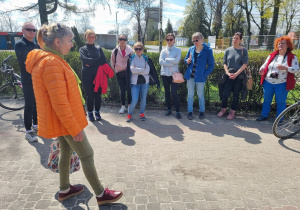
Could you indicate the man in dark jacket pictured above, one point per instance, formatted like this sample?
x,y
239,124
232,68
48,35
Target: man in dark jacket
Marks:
x,y
22,48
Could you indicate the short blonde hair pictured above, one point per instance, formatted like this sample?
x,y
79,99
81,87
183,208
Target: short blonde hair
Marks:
x,y
138,44
198,35
89,32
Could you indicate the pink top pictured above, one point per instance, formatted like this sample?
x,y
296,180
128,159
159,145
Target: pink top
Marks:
x,y
121,61
123,53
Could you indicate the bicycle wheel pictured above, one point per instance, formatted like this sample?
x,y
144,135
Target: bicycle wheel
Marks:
x,y
12,97
287,124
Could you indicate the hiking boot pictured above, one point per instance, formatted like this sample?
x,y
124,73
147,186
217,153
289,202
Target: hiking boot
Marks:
x,y
190,115
168,112
74,190
122,110
31,136
128,118
142,117
222,112
231,115
91,116
201,115
109,196
98,117
178,115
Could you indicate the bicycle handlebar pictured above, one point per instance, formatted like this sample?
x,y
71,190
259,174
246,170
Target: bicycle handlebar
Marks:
x,y
6,59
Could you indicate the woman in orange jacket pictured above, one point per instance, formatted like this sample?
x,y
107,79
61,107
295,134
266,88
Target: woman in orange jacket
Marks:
x,y
60,110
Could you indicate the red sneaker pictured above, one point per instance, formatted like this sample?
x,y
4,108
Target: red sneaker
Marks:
x,y
142,117
128,118
109,196
74,190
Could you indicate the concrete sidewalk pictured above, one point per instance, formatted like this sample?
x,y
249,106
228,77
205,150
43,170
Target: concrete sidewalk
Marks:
x,y
162,163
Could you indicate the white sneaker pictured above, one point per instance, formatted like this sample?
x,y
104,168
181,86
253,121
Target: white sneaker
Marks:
x,y
122,110
30,137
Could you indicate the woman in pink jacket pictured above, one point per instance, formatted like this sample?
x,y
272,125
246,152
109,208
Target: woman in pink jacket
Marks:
x,y
118,61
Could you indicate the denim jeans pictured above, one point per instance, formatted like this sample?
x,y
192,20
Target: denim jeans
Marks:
x,y
136,91
280,96
167,81
86,154
191,92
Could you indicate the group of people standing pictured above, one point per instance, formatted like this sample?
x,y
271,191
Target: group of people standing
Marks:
x,y
52,92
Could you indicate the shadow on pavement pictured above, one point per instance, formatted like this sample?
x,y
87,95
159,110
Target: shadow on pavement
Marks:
x,y
116,133
43,149
18,123
220,129
160,130
79,201
281,142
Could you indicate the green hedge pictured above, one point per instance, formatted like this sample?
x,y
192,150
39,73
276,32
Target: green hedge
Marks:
x,y
156,97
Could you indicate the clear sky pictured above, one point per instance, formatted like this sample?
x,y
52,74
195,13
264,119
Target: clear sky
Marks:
x,y
104,19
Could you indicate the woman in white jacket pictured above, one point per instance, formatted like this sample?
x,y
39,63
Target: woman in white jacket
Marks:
x,y
169,59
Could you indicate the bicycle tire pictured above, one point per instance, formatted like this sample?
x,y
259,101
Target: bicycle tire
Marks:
x,y
287,124
12,97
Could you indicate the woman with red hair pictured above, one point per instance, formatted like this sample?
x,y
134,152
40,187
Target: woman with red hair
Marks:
x,y
277,75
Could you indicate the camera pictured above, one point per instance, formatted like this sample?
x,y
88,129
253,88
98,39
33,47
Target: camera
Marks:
x,y
274,75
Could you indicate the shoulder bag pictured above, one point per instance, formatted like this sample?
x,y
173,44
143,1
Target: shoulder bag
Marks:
x,y
248,75
177,76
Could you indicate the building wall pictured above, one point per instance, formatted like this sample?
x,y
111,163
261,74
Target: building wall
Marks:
x,y
107,41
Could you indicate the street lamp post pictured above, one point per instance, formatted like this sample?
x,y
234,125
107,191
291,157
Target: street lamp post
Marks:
x,y
117,29
160,25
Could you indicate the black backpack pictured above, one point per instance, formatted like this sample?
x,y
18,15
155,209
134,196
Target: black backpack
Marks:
x,y
116,52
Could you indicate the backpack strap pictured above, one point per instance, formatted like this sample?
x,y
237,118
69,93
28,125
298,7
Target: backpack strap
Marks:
x,y
116,53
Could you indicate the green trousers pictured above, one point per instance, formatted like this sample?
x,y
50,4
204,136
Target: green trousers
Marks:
x,y
86,154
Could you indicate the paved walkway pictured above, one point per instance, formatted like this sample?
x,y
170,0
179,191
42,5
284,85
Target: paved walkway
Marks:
x,y
162,163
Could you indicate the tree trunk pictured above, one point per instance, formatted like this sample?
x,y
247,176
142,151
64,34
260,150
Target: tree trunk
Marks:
x,y
272,31
43,12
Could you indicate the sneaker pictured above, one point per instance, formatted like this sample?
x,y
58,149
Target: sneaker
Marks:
x,y
109,196
31,136
178,115
168,112
142,117
128,118
122,110
74,190
201,115
98,117
91,117
261,118
35,130
190,115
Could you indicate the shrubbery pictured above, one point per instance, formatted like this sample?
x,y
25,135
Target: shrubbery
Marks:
x,y
156,97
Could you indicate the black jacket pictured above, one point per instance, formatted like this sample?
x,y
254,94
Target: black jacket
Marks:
x,y
153,78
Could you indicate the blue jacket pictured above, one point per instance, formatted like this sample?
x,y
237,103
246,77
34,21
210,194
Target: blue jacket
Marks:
x,y
204,65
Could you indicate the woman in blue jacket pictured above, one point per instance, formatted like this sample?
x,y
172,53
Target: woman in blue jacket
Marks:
x,y
200,61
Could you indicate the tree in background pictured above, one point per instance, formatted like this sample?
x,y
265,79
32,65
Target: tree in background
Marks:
x,y
84,23
152,31
234,21
169,28
47,7
290,9
78,39
272,31
219,7
9,25
138,9
195,20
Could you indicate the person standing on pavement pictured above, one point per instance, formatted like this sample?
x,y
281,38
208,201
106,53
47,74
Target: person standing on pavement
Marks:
x,y
200,61
118,61
139,69
22,48
92,57
169,59
60,109
235,62
277,75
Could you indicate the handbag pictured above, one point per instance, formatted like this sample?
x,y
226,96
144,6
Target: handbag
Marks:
x,y
177,76
249,79
53,159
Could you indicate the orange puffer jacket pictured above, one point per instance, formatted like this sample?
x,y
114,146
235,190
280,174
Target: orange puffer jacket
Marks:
x,y
59,107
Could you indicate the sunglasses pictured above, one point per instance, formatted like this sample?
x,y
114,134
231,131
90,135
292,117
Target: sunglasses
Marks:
x,y
195,40
138,49
31,29
169,40
121,39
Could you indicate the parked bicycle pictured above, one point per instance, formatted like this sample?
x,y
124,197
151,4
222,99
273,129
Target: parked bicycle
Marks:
x,y
287,124
11,93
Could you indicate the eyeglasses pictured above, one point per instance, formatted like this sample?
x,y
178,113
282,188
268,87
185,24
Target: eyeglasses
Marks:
x,y
138,49
31,29
91,37
169,40
195,40
121,39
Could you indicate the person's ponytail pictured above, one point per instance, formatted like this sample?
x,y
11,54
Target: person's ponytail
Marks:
x,y
40,34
